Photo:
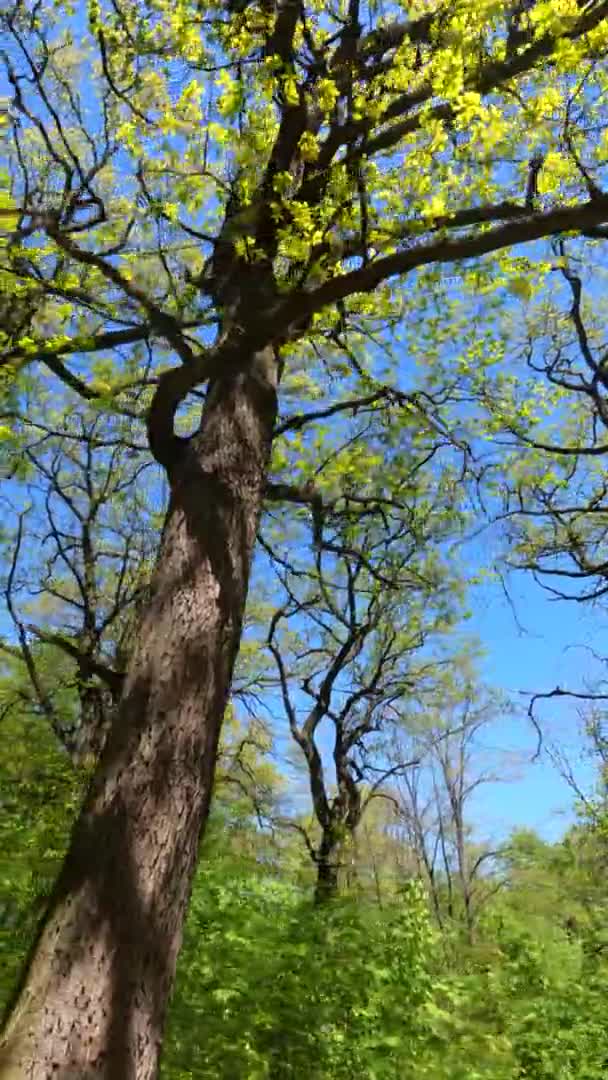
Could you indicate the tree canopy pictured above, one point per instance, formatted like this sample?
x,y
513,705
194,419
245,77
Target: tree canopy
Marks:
x,y
258,262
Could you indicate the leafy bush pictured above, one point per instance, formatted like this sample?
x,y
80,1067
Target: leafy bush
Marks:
x,y
537,1011
39,796
270,988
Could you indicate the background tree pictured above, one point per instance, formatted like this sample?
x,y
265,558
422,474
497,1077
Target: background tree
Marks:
x,y
80,560
359,636
554,495
433,802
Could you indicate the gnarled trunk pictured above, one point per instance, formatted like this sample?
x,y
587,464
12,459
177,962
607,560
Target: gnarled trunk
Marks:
x,y
93,997
334,861
327,861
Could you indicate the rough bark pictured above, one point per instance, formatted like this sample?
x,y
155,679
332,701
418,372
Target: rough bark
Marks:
x,y
338,818
93,998
342,819
326,887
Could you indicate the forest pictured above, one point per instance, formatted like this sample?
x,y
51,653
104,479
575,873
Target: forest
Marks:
x,y
303,540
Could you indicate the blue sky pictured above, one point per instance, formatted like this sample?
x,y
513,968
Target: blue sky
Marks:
x,y
542,652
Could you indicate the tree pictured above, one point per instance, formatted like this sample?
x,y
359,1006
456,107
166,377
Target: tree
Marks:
x,y
433,800
545,478
80,561
554,492
585,848
360,634
228,225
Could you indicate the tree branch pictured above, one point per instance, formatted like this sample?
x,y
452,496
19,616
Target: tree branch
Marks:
x,y
366,278
113,679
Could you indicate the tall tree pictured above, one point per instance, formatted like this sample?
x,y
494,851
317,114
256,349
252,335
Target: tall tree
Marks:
x,y
360,634
433,803
233,185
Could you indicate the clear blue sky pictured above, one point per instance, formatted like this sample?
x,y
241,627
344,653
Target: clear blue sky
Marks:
x,y
542,652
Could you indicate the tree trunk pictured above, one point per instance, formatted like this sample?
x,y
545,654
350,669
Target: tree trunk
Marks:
x,y
465,882
93,997
326,887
